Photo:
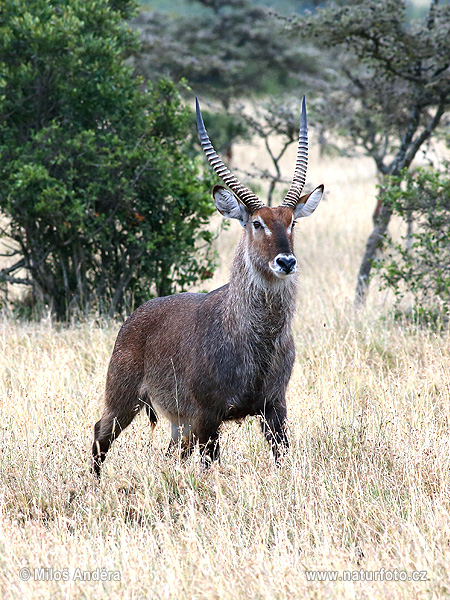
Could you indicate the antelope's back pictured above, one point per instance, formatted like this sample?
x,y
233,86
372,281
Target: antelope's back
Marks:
x,y
162,344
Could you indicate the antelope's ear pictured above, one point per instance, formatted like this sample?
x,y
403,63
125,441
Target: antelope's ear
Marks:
x,y
308,203
229,206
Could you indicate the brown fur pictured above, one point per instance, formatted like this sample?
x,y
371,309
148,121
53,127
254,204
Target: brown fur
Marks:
x,y
201,359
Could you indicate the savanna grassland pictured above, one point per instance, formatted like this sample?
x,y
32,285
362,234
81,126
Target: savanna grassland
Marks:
x,y
365,485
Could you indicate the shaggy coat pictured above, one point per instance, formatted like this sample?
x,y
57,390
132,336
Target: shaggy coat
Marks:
x,y
202,359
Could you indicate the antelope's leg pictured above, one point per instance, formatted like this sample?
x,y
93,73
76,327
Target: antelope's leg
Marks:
x,y
106,431
208,439
153,417
181,439
273,426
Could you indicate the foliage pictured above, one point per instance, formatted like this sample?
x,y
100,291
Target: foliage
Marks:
x,y
231,49
104,202
389,89
420,263
390,86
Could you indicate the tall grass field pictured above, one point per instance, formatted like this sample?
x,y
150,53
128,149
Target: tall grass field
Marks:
x,y
359,508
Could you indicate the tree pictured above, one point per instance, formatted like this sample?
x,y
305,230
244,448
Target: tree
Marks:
x,y
389,90
273,121
418,264
105,203
231,49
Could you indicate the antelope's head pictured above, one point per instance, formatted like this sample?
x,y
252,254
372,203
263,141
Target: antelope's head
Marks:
x,y
269,231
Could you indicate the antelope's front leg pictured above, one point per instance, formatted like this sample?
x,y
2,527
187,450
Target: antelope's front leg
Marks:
x,y
273,426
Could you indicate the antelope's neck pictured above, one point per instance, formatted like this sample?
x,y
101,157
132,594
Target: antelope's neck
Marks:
x,y
255,303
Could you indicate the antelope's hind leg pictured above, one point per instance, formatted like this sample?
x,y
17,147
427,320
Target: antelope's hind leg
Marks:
x,y
273,426
122,404
105,432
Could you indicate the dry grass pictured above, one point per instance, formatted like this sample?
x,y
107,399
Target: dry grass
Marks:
x,y
365,486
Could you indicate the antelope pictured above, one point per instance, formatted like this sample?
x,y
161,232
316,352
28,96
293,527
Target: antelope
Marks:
x,y
202,359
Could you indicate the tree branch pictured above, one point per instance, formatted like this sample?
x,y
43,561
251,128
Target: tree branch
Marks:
x,y
19,264
425,134
5,274
13,280
399,161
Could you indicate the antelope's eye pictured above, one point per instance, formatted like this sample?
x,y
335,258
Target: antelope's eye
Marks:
x,y
294,223
256,224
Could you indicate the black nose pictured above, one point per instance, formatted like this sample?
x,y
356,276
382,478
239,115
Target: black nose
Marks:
x,y
287,263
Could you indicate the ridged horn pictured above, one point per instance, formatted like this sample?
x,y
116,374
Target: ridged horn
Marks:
x,y
248,198
298,181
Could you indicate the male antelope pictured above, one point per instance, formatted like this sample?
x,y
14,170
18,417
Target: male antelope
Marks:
x,y
201,359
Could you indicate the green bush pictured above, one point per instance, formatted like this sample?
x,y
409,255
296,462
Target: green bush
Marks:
x,y
105,202
419,264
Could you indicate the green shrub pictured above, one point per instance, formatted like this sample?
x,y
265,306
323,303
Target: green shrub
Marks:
x,y
419,264
105,201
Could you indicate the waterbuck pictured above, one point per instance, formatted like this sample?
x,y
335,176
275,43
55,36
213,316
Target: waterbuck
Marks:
x,y
202,359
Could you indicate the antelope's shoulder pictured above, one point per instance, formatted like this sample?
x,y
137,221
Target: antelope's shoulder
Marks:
x,y
161,313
